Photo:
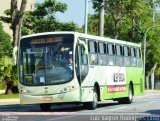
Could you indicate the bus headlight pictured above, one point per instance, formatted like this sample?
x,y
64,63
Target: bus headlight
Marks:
x,y
24,91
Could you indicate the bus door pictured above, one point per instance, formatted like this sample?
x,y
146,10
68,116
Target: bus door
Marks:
x,y
81,61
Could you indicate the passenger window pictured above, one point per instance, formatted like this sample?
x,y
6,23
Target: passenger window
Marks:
x,y
129,51
118,50
93,52
133,57
138,53
121,50
92,47
127,60
111,49
133,54
102,58
125,51
111,56
101,48
119,58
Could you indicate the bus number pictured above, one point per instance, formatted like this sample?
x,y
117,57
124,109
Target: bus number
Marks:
x,y
119,77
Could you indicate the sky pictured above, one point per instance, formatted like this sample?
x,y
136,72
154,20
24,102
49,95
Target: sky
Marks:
x,y
75,12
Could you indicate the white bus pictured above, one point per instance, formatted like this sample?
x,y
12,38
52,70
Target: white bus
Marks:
x,y
71,67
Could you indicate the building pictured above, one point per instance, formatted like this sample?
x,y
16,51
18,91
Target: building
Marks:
x,y
5,4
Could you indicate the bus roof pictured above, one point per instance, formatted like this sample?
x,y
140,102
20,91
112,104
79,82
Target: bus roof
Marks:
x,y
82,35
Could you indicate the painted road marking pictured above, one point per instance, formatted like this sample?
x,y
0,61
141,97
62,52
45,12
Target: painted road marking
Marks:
x,y
37,113
153,101
100,110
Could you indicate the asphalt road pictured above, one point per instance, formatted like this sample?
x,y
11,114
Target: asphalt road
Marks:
x,y
143,108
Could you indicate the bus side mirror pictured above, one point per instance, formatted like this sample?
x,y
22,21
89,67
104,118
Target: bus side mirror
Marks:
x,y
82,43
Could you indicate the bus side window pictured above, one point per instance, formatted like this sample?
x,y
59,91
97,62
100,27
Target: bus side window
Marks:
x,y
127,56
92,45
138,55
119,55
111,54
84,60
102,58
133,57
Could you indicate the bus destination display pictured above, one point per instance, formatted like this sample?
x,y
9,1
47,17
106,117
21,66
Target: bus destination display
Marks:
x,y
46,40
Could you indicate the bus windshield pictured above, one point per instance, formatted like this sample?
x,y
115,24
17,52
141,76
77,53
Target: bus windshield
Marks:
x,y
46,64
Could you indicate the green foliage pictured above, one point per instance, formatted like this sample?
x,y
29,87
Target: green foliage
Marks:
x,y
8,72
71,26
9,96
49,8
5,68
2,86
157,71
153,51
7,18
5,43
42,19
125,19
96,5
93,22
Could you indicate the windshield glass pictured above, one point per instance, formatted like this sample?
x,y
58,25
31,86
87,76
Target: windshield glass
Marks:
x,y
47,64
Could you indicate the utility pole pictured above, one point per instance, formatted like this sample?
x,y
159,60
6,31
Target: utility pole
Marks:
x,y
86,17
101,18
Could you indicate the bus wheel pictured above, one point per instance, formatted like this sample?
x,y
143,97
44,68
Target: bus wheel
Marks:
x,y
129,99
45,107
93,105
130,96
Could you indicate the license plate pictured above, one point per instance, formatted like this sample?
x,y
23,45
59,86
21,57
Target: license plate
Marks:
x,y
47,99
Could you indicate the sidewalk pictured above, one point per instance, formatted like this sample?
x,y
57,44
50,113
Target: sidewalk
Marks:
x,y
9,101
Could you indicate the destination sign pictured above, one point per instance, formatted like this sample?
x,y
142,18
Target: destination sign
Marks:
x,y
46,40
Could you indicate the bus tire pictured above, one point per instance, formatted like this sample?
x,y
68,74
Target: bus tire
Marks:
x,y
129,99
93,104
130,95
45,107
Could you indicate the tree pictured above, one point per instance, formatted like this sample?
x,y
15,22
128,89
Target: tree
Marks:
x,y
99,6
8,77
152,55
93,23
7,70
15,18
43,19
5,43
117,9
137,11
129,13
